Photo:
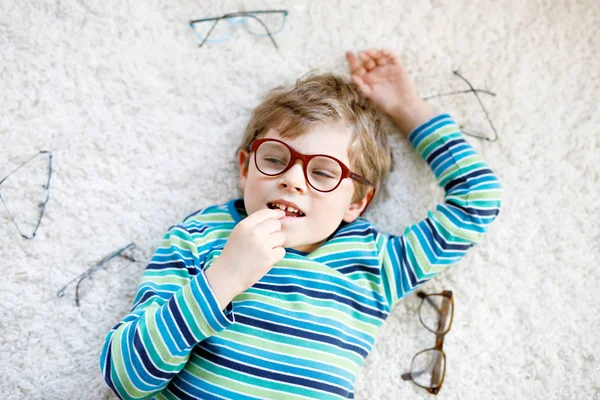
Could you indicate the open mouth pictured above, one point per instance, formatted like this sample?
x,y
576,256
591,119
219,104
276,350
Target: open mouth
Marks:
x,y
289,211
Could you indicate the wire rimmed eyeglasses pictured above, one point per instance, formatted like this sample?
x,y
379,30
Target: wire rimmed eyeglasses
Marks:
x,y
42,205
258,23
469,131
323,172
428,367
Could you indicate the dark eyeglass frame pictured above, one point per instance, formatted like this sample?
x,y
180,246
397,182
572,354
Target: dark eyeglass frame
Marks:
x,y
294,155
241,14
439,340
42,205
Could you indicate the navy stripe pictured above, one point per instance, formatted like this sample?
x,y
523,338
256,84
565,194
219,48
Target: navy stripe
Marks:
x,y
182,395
368,231
320,295
445,148
270,374
411,276
442,242
189,338
150,367
108,369
173,265
360,267
474,211
464,178
242,319
202,229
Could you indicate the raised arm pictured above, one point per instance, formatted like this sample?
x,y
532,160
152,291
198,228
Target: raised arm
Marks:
x,y
174,309
471,203
473,192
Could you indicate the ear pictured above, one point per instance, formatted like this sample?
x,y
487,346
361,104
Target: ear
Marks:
x,y
356,209
244,160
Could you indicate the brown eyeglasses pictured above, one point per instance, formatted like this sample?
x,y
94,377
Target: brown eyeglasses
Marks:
x,y
322,172
428,367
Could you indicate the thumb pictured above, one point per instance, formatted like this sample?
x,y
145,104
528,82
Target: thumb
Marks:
x,y
366,89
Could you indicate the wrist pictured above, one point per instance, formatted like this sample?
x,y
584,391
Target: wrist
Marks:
x,y
223,283
408,117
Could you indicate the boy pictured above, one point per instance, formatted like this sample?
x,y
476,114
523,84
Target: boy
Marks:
x,y
278,295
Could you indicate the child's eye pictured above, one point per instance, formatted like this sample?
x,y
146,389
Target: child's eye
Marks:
x,y
323,174
274,161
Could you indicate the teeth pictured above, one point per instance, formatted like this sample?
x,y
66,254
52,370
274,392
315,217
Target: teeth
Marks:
x,y
286,208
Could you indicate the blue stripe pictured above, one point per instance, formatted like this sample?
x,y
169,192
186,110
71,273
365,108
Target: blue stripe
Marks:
x,y
464,178
282,357
308,327
276,365
320,295
280,377
286,330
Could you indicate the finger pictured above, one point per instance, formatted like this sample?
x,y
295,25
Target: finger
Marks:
x,y
381,59
391,56
355,65
368,60
361,71
276,239
372,52
363,56
269,226
263,215
362,85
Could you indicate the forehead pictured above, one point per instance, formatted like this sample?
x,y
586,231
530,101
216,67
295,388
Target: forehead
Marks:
x,y
330,139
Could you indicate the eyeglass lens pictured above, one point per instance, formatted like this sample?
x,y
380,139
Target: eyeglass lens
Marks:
x,y
435,313
323,173
427,369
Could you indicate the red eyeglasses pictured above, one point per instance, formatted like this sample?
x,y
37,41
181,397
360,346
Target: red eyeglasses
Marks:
x,y
322,172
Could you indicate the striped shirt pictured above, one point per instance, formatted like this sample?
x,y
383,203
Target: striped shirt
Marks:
x,y
304,329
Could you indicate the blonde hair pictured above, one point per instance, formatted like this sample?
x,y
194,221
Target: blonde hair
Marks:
x,y
327,98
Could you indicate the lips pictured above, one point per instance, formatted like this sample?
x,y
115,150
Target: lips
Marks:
x,y
291,209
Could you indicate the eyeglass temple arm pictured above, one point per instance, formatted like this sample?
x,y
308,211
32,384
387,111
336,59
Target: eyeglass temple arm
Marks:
x,y
267,29
209,32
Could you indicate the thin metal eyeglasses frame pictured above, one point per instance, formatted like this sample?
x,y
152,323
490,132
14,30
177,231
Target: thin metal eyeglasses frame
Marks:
x,y
294,155
439,340
240,14
42,204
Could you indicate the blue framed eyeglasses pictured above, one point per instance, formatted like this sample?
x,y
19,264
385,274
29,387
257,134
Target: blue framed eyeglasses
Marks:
x,y
258,23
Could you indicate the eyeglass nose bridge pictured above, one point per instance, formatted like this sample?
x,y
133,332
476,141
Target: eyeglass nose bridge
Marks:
x,y
290,166
237,20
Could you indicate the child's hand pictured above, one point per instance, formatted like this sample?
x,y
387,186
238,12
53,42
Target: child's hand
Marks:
x,y
253,247
383,79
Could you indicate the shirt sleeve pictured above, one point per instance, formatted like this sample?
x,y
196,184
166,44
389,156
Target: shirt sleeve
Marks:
x,y
472,201
174,309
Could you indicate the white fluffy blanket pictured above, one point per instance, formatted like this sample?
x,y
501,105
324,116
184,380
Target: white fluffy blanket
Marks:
x,y
142,125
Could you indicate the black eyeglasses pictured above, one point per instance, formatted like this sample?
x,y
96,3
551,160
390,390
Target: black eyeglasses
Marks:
x,y
42,205
428,367
470,131
100,264
324,173
258,23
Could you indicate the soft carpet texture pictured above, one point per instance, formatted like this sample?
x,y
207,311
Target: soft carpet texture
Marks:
x,y
143,124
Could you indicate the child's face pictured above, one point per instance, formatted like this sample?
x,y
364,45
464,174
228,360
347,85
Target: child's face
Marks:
x,y
323,211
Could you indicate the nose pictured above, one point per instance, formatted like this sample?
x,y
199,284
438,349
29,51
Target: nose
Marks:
x,y
293,178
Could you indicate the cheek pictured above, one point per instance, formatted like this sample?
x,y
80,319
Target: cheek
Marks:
x,y
334,205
